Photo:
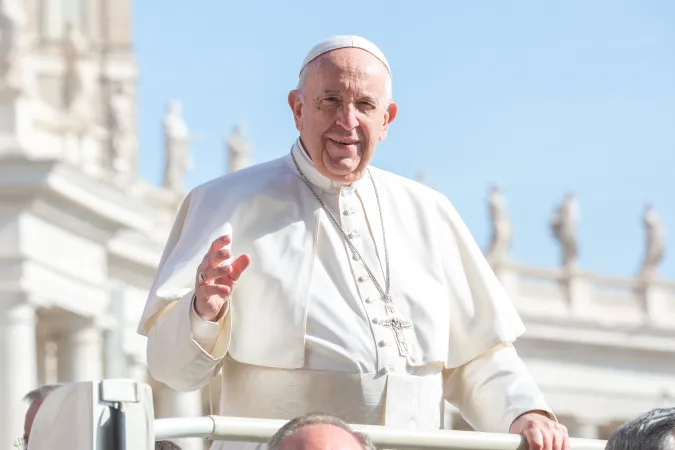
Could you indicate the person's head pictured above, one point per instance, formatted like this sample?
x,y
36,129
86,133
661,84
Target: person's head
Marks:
x,y
318,432
166,445
654,430
343,105
35,399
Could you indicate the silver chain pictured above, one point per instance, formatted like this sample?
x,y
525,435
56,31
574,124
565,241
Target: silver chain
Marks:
x,y
383,292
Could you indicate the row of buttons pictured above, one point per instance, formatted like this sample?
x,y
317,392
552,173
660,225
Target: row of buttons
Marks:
x,y
350,211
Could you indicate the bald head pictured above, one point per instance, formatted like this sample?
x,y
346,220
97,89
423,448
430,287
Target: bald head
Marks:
x,y
320,437
318,432
36,397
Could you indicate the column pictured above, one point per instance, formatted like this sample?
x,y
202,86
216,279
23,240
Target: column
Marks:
x,y
448,412
171,403
581,428
138,369
116,364
18,369
79,354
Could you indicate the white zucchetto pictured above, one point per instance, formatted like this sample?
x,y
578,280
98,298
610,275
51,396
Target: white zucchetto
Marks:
x,y
346,41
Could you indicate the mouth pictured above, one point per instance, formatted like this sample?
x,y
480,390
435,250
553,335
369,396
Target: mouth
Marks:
x,y
345,142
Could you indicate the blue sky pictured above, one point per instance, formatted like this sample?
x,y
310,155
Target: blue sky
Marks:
x,y
539,97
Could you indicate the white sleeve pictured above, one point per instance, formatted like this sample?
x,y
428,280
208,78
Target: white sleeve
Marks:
x,y
493,390
175,356
204,332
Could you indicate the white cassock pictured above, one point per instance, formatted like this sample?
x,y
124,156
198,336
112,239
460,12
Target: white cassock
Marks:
x,y
307,329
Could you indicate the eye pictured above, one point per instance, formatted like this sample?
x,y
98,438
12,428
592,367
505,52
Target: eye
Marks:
x,y
365,106
331,100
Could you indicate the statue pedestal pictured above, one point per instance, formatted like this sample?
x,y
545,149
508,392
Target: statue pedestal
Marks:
x,y
577,293
507,276
14,122
655,301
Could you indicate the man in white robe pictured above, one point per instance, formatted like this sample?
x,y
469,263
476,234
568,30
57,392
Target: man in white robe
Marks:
x,y
359,293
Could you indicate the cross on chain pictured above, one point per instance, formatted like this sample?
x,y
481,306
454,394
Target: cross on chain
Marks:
x,y
397,325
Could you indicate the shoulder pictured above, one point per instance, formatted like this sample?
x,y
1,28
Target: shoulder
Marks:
x,y
402,187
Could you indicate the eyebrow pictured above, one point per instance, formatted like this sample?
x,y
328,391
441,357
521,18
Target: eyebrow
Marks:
x,y
367,97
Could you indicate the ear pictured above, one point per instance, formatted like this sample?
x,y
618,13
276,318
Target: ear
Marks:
x,y
295,102
389,117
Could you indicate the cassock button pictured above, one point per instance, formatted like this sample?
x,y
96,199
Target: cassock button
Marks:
x,y
375,321
382,343
385,370
355,257
362,278
368,300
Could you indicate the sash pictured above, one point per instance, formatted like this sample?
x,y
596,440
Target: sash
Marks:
x,y
397,400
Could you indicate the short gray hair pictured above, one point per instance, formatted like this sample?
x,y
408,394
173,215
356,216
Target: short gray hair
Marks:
x,y
41,392
316,419
654,430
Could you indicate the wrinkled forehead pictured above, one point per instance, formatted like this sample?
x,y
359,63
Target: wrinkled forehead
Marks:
x,y
348,66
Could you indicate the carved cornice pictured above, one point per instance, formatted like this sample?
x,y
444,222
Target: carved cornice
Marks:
x,y
47,187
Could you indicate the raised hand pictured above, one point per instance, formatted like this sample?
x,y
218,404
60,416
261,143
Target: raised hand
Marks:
x,y
215,281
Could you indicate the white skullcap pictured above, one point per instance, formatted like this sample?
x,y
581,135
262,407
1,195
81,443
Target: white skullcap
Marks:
x,y
335,42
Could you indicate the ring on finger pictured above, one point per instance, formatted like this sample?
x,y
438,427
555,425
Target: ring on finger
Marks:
x,y
201,278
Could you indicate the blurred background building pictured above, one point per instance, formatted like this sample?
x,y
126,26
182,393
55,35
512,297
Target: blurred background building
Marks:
x,y
81,234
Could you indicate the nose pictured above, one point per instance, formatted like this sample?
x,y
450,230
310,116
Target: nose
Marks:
x,y
347,117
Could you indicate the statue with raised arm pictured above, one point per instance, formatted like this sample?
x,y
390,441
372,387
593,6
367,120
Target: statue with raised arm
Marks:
x,y
12,45
79,81
123,141
564,229
655,242
238,150
176,148
501,227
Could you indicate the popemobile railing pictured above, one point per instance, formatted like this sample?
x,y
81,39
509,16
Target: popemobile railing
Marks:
x,y
118,414
261,430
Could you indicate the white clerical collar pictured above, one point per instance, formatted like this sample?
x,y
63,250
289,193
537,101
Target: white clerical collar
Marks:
x,y
310,171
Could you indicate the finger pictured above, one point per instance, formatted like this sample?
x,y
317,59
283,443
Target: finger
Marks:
x,y
535,439
559,435
547,435
218,256
239,265
215,273
566,442
220,242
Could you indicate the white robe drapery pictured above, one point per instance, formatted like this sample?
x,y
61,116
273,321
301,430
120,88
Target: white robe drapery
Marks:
x,y
306,309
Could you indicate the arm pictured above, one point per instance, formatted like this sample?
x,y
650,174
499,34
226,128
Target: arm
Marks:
x,y
184,350
493,390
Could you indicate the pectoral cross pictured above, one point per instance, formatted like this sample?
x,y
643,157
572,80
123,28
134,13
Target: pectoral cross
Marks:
x,y
397,325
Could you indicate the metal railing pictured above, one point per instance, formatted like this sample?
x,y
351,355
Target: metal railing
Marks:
x,y
261,430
